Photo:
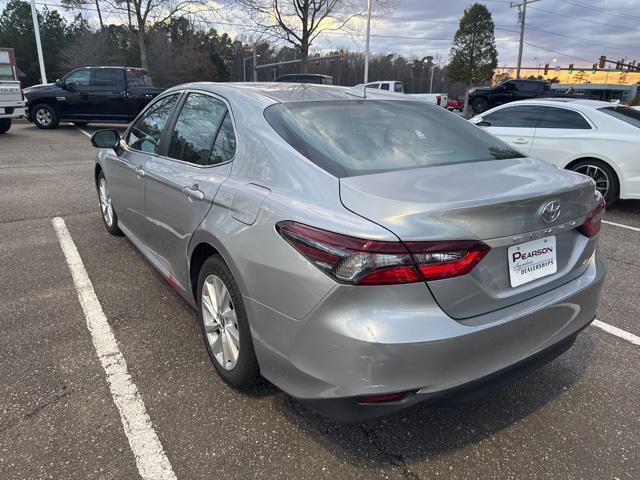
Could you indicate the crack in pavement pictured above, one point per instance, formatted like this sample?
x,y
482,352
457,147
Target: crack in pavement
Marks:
x,y
35,411
395,459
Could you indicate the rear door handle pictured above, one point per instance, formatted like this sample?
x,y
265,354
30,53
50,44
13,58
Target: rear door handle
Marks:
x,y
193,192
521,141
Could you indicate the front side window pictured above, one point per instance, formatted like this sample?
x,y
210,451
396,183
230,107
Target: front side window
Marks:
x,y
384,86
514,117
196,127
356,137
562,118
626,114
146,132
79,78
373,85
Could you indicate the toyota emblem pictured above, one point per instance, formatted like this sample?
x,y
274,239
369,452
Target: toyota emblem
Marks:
x,y
550,211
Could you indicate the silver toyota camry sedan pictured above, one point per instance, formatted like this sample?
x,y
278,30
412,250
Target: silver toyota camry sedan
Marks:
x,y
362,254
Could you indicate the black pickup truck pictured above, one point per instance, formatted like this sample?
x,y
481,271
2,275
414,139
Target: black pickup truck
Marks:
x,y
484,98
91,95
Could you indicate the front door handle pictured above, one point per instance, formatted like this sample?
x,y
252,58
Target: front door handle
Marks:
x,y
193,192
140,172
521,141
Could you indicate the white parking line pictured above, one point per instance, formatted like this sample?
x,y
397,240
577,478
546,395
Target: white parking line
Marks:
x,y
635,229
618,332
85,132
150,458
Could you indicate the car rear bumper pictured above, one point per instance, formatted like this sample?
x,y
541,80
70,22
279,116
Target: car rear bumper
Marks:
x,y
12,111
360,342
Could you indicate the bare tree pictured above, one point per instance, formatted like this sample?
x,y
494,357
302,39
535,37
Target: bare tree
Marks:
x,y
300,22
81,4
146,15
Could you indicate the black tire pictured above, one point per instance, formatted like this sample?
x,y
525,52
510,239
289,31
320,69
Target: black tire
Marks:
x,y
5,125
246,371
612,193
81,124
112,227
479,105
44,117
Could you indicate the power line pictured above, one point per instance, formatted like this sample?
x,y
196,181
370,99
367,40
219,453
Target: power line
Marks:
x,y
601,10
573,17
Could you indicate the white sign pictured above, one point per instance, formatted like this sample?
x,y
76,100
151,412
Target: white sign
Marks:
x,y
532,260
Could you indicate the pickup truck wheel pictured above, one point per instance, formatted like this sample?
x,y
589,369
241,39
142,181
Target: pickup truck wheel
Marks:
x,y
5,125
479,105
44,117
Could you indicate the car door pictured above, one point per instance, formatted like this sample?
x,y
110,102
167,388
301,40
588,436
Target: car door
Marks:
x,y
106,95
561,133
72,103
514,124
182,182
505,93
125,172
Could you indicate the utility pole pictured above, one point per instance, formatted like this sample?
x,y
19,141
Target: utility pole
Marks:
x,y
255,63
366,50
522,13
36,29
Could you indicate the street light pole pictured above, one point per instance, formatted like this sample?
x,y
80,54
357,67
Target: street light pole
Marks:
x,y
255,63
366,50
36,29
431,81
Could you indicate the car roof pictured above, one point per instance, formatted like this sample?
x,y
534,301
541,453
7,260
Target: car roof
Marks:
x,y
574,102
304,75
284,92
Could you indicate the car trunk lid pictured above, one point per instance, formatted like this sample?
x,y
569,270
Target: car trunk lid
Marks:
x,y
499,202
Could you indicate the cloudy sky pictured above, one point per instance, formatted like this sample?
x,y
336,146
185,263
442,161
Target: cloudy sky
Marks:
x,y
569,31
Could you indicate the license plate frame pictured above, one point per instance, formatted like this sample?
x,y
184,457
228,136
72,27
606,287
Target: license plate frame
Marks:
x,y
532,260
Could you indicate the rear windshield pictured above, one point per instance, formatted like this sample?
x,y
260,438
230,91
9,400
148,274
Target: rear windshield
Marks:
x,y
348,138
626,114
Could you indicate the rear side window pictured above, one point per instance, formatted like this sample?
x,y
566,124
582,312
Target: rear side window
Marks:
x,y
146,132
139,78
224,148
562,118
398,87
196,128
626,114
354,137
514,117
111,79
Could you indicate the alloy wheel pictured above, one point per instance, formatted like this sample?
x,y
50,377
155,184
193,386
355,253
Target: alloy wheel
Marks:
x,y
105,202
44,117
220,322
598,175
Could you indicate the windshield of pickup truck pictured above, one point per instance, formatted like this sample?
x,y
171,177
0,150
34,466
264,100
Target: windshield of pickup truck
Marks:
x,y
348,138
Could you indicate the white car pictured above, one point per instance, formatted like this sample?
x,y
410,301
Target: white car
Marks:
x,y
598,139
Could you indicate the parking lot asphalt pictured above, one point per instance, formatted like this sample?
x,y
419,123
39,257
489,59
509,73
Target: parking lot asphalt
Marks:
x,y
576,418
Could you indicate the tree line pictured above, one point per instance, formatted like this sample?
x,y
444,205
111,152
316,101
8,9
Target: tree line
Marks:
x,y
181,48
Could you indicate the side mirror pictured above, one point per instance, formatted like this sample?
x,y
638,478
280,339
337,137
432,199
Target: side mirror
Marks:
x,y
61,84
105,139
480,122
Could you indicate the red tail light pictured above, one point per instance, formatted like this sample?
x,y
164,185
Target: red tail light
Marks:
x,y
383,398
358,261
592,224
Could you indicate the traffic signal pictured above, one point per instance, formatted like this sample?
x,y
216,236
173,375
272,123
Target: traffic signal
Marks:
x,y
341,55
602,61
594,68
619,64
631,66
570,68
546,68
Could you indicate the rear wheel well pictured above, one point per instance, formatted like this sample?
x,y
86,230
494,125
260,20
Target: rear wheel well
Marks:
x,y
571,164
198,257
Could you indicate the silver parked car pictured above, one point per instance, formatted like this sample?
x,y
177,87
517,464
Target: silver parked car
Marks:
x,y
363,255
